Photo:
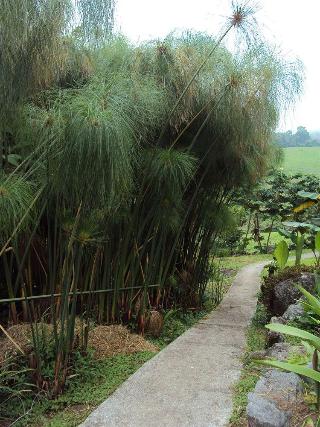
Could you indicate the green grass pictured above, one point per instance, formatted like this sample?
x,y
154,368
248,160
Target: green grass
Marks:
x,y
306,261
237,262
256,339
95,382
304,160
275,238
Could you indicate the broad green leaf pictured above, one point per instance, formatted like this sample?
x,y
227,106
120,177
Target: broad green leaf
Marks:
x,y
308,422
315,321
296,224
14,159
295,332
281,253
313,302
292,224
308,195
315,221
317,241
287,234
298,369
309,349
300,225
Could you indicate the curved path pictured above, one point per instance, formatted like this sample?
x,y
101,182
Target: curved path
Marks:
x,y
189,383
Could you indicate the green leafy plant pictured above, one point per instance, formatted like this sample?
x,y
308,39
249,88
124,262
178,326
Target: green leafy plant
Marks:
x,y
120,194
15,384
313,373
281,254
309,422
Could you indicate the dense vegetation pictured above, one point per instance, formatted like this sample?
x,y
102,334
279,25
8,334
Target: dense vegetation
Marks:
x,y
259,213
118,165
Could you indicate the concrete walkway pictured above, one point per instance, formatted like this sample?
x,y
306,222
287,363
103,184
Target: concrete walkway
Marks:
x,y
189,383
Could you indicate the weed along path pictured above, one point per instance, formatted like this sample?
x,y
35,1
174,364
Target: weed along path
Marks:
x,y
189,383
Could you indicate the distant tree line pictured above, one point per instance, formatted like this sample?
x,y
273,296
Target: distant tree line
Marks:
x,y
301,138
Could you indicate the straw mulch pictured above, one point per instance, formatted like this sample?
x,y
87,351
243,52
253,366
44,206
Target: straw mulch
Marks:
x,y
106,341
116,339
22,336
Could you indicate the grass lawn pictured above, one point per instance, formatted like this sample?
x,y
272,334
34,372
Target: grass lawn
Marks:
x,y
304,160
307,261
275,238
237,262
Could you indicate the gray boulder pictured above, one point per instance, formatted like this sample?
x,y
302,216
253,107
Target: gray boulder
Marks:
x,y
274,398
279,351
275,337
264,413
286,292
294,311
282,351
282,386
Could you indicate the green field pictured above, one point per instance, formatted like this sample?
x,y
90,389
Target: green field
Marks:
x,y
302,159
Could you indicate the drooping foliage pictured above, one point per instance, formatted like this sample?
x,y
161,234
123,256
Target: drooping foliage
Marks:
x,y
125,159
32,43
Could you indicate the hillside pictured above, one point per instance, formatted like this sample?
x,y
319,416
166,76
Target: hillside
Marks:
x,y
302,159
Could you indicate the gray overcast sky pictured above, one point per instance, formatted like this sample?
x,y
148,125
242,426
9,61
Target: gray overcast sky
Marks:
x,y
293,25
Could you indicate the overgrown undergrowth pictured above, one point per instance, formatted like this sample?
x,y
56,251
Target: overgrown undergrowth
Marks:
x,y
91,383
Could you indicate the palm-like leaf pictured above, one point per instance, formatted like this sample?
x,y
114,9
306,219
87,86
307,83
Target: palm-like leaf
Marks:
x,y
16,196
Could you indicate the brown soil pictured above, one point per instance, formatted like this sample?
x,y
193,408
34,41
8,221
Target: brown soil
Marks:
x,y
106,341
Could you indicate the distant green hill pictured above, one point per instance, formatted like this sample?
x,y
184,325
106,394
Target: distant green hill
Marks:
x,y
302,160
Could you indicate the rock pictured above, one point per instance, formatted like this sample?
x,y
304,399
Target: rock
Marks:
x,y
264,413
282,351
275,337
286,292
294,311
277,319
257,355
282,386
274,398
279,351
